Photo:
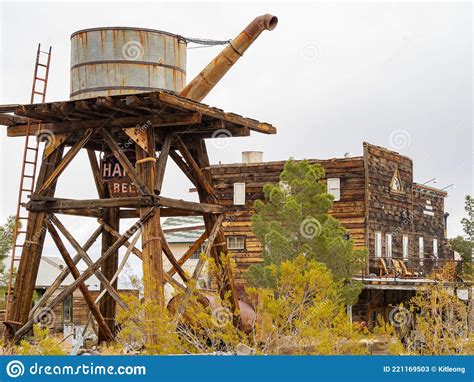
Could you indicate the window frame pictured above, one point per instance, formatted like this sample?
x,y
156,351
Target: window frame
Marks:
x,y
405,247
336,197
421,249
229,247
68,302
378,244
388,245
238,202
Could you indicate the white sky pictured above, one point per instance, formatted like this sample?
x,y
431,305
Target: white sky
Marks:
x,y
329,77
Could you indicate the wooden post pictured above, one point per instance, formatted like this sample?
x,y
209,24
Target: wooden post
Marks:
x,y
206,193
25,281
153,277
107,305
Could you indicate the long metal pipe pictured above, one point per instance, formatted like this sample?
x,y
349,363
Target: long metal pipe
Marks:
x,y
203,83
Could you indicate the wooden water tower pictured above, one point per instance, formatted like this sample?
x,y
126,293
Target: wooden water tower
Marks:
x,y
138,102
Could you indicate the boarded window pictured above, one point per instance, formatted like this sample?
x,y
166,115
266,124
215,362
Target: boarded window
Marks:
x,y
236,242
388,245
405,246
334,188
239,194
378,244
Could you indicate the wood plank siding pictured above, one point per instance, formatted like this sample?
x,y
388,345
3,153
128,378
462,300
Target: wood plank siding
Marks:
x,y
377,194
350,210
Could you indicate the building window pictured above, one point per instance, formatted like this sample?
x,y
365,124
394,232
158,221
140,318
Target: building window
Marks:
x,y
405,247
421,249
197,255
396,183
235,242
334,188
67,309
388,245
239,194
378,244
435,248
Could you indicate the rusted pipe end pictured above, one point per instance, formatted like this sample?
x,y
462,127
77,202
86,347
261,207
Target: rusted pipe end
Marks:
x,y
268,22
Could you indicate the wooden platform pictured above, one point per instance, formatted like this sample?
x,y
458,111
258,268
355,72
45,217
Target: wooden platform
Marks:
x,y
157,109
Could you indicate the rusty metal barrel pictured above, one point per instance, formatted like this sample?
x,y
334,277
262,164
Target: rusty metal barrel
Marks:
x,y
121,60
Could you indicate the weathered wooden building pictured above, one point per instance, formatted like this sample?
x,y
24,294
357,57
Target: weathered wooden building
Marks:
x,y
375,199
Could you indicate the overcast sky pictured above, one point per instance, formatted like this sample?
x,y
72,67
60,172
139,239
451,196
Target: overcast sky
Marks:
x,y
329,77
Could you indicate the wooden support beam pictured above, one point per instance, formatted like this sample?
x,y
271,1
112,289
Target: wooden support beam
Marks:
x,y
68,110
169,254
191,250
82,287
64,273
85,212
191,206
88,272
113,280
56,204
196,171
183,166
9,119
152,260
101,188
190,105
168,276
111,104
70,155
165,212
19,307
161,163
122,158
84,256
165,120
226,283
199,266
108,304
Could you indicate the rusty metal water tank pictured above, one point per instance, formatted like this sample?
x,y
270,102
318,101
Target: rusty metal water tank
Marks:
x,y
121,60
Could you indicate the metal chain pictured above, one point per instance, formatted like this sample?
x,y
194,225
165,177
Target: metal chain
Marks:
x,y
204,41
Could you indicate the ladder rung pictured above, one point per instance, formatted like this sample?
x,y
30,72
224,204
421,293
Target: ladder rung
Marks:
x,y
21,232
40,79
35,92
22,218
26,189
28,176
32,148
43,65
30,162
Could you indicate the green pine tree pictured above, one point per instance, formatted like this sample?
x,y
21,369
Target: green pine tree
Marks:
x,y
294,220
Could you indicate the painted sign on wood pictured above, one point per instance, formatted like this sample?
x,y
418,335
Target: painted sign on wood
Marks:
x,y
115,176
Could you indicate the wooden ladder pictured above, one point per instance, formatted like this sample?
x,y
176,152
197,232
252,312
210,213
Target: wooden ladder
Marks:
x,y
28,167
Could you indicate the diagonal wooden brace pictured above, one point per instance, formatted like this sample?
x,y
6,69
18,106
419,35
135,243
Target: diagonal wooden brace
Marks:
x,y
88,272
87,260
82,287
